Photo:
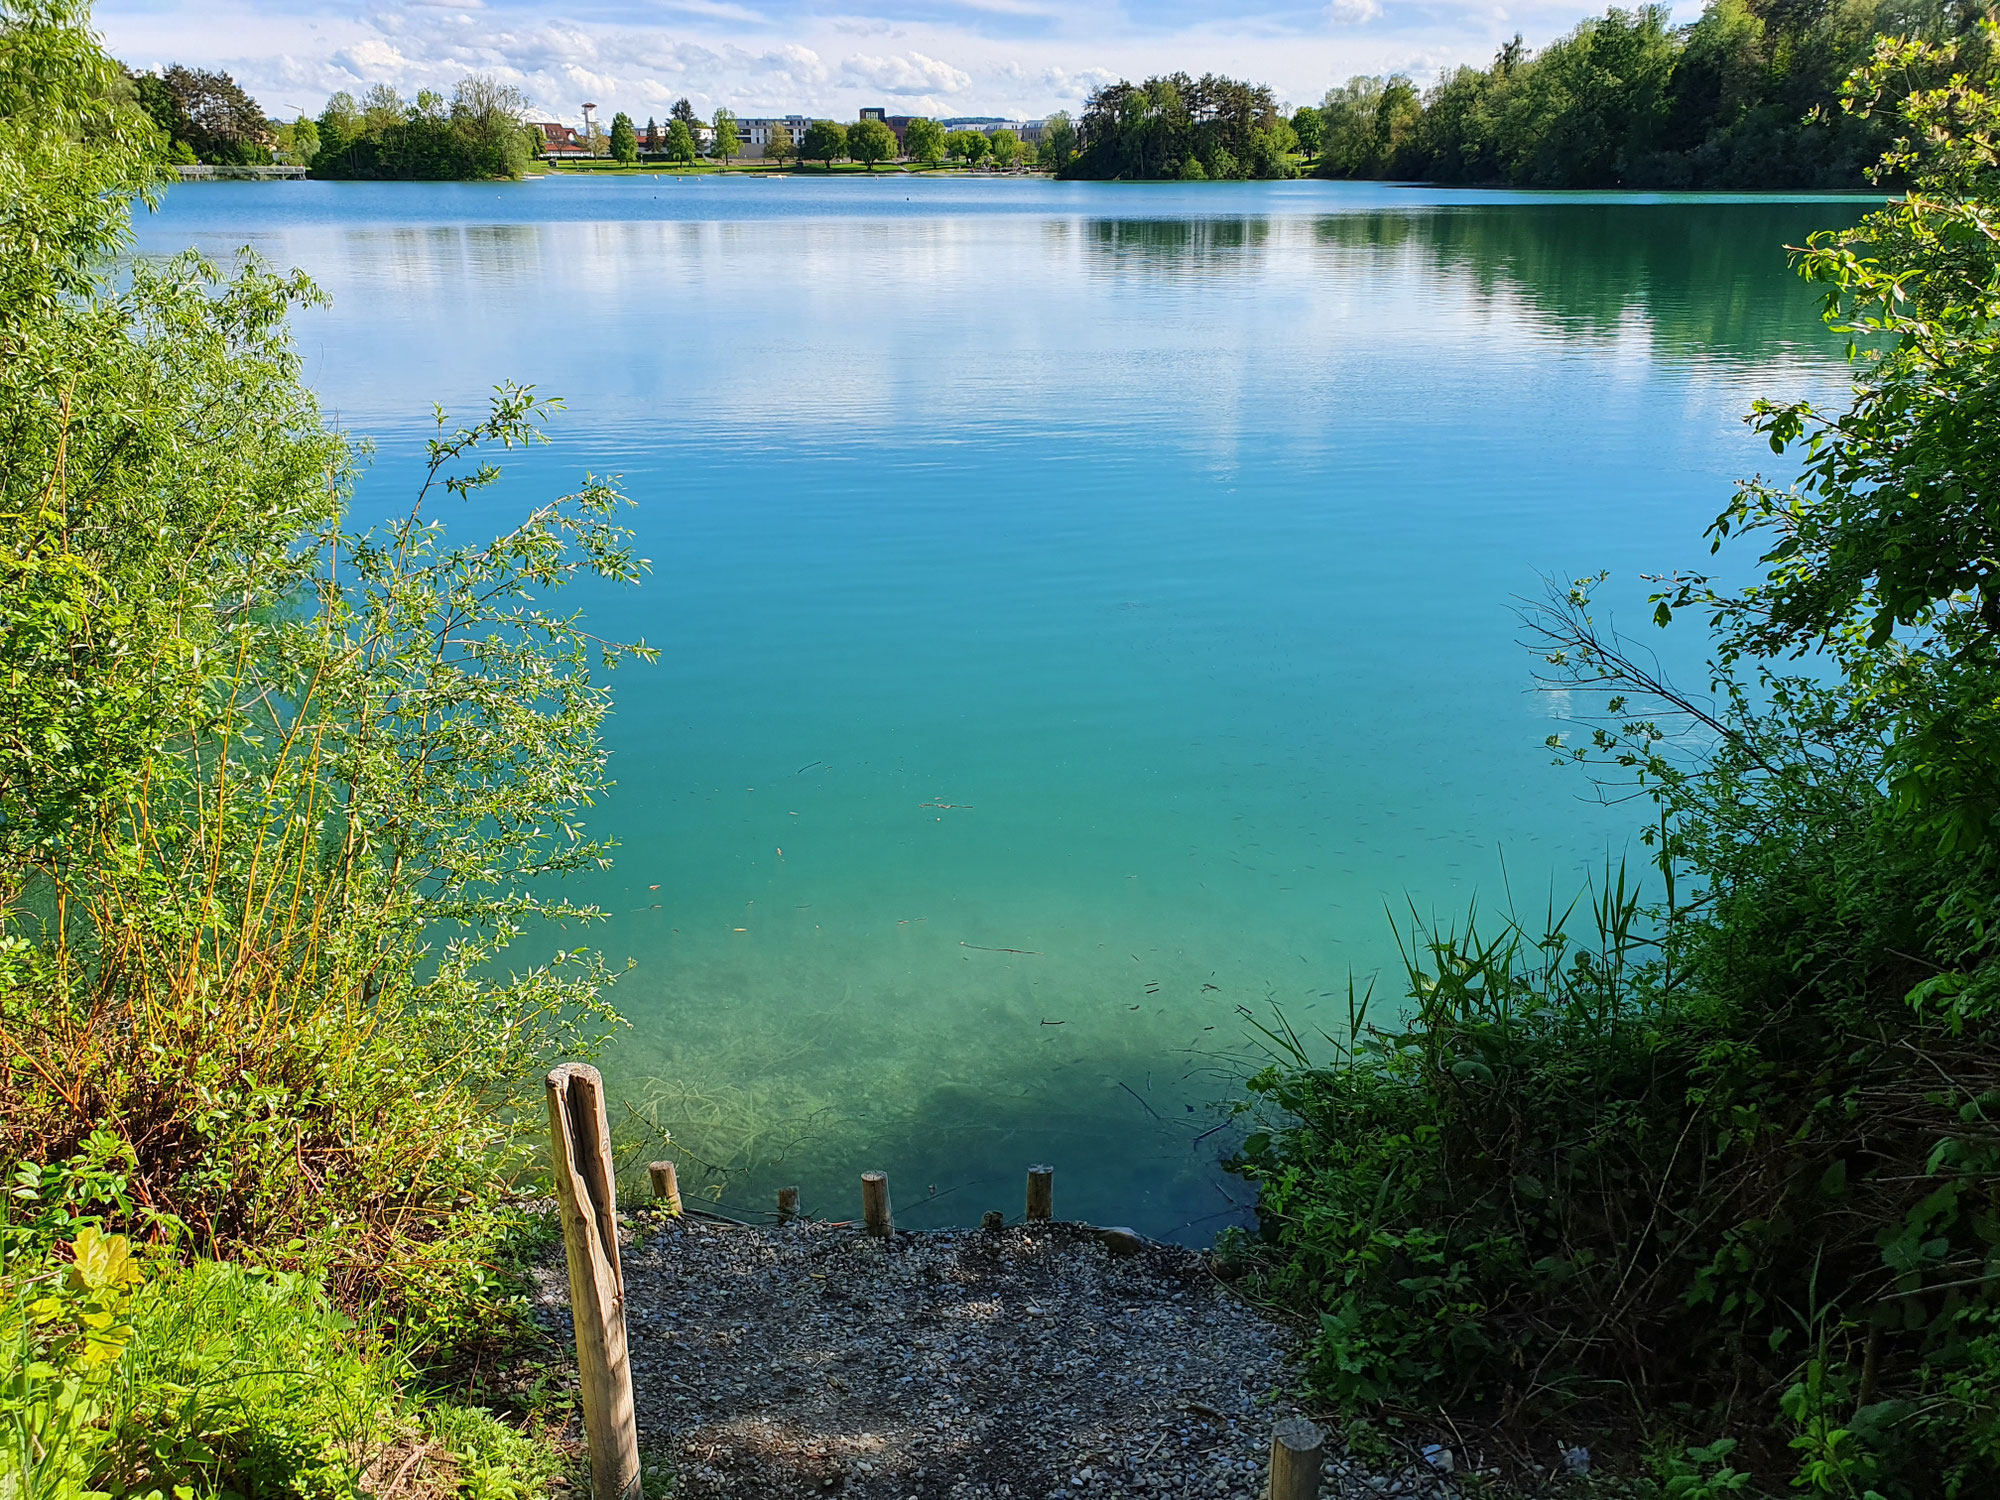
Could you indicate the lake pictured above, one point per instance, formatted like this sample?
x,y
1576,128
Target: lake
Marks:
x,y
1086,610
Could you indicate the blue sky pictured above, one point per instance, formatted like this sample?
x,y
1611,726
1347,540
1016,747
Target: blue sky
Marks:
x,y
936,57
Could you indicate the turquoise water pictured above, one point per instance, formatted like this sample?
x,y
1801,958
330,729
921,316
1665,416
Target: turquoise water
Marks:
x,y
1084,607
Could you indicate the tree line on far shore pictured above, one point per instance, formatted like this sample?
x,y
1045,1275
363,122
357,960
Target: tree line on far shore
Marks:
x,y
1748,96
869,142
1745,97
482,131
206,116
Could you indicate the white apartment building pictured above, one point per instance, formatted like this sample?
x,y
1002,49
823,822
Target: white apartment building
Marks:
x,y
756,133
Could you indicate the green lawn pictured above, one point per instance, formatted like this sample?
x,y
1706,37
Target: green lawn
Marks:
x,y
755,168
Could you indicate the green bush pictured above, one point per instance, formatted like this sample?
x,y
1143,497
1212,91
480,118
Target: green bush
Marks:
x,y
1729,1171
275,792
125,1372
224,1379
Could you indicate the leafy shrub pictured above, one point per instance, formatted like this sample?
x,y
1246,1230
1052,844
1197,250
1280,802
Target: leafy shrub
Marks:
x,y
1730,1171
127,1372
274,794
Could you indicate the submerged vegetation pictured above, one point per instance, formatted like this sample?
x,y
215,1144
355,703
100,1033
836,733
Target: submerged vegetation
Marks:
x,y
1716,1183
273,792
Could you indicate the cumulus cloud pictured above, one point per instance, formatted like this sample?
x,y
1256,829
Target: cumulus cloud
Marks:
x,y
1079,85
816,57
800,64
906,73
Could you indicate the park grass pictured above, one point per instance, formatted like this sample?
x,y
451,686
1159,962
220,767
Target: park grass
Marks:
x,y
760,168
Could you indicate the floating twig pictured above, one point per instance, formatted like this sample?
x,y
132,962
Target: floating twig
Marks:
x,y
1030,952
1142,1103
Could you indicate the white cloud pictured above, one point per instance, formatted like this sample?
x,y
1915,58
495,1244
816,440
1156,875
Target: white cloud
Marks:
x,y
800,64
1014,57
1067,85
908,73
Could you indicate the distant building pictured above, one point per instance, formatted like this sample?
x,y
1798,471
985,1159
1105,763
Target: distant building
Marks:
x,y
560,141
756,133
1030,131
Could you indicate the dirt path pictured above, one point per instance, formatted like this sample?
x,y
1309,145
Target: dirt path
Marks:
x,y
812,1361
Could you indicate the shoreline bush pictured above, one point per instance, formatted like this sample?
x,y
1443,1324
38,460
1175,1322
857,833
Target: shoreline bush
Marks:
x,y
275,795
1719,1183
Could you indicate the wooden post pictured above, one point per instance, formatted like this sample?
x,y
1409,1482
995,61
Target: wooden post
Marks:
x,y
788,1204
875,1203
1041,1193
666,1187
1297,1448
580,1151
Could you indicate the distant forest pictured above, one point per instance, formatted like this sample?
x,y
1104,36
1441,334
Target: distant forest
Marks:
x,y
478,132
1748,96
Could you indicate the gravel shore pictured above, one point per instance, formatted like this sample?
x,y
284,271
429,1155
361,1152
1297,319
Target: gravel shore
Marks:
x,y
1024,1363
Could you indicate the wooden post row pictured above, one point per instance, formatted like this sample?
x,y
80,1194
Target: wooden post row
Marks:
x,y
580,1150
1297,1447
875,1204
1041,1193
666,1186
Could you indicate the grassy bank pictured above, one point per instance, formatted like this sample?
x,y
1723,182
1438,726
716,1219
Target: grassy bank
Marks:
x,y
1707,1182
771,169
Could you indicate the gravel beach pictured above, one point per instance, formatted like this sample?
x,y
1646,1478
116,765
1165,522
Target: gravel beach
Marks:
x,y
811,1360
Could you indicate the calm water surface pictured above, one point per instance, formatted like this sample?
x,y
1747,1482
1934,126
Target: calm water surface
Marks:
x,y
1084,607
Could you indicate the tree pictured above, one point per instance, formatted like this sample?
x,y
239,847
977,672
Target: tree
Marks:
x,y
490,114
1058,146
684,112
824,140
680,142
624,139
1006,148
778,145
298,142
382,109
207,111
479,133
652,136
1306,126
871,141
728,140
969,146
1149,129
187,615
924,141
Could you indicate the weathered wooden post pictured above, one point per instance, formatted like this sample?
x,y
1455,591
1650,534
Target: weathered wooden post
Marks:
x,y
1297,1447
1041,1193
875,1203
666,1186
580,1151
788,1204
